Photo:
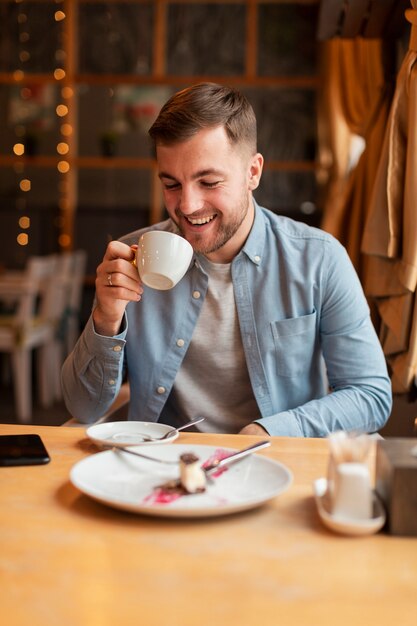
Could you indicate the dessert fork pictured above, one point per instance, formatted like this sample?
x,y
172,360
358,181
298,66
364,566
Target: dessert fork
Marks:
x,y
235,456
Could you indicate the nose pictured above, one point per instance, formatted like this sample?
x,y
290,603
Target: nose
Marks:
x,y
190,201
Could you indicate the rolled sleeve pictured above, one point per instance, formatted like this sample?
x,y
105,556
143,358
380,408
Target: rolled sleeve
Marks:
x,y
93,372
284,424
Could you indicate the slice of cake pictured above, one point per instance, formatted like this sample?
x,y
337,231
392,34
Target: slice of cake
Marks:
x,y
192,477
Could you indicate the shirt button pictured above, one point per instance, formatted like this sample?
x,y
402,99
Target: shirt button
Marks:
x,y
112,382
161,390
257,258
180,343
196,295
117,348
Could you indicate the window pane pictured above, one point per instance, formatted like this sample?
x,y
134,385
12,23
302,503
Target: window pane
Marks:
x,y
23,45
289,193
114,189
115,38
27,115
39,204
42,236
105,225
112,203
286,122
206,39
287,39
120,114
43,188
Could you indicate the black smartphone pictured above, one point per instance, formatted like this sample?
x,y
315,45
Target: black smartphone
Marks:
x,y
22,450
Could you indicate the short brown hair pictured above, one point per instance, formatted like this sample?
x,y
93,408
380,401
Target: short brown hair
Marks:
x,y
205,105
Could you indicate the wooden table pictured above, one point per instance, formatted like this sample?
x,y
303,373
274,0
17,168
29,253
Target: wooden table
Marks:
x,y
67,560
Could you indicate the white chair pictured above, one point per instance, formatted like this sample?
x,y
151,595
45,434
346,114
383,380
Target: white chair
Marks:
x,y
31,326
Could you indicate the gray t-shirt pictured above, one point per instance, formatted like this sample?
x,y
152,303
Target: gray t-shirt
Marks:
x,y
213,380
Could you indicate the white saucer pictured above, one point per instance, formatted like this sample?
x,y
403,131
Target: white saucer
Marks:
x,y
129,433
344,525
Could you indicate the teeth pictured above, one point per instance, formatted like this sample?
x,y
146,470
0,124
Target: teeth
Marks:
x,y
201,220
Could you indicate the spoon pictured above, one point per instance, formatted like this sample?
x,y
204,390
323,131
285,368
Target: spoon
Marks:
x,y
169,433
148,438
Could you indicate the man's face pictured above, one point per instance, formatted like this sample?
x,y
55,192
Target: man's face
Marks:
x,y
207,184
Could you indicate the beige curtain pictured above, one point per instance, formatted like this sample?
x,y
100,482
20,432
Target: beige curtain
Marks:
x,y
390,234
354,101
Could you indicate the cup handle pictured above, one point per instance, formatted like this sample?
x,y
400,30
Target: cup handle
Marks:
x,y
133,261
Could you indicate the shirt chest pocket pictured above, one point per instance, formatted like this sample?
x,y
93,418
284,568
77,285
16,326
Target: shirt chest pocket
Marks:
x,y
295,341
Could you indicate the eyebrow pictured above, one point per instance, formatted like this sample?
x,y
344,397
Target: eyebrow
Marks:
x,y
199,174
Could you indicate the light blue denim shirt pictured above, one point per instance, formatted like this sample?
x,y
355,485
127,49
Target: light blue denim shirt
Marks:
x,y
305,329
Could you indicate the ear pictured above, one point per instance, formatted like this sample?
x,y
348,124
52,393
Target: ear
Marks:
x,y
255,171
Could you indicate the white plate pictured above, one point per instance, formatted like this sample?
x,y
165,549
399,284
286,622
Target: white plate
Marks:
x,y
129,433
125,482
344,525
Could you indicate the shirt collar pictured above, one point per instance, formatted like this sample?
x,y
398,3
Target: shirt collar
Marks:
x,y
254,246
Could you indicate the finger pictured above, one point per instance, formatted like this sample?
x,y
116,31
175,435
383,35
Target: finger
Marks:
x,y
123,294
114,297
122,267
118,250
122,280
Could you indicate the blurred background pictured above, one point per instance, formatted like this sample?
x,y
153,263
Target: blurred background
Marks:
x,y
81,81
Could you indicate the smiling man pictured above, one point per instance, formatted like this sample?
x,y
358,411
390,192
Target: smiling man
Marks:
x,y
268,331
210,205
208,182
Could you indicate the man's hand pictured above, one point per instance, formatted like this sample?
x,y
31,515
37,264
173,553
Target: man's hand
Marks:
x,y
253,429
117,283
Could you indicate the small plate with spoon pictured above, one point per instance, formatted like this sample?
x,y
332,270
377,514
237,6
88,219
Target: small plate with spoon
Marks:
x,y
132,433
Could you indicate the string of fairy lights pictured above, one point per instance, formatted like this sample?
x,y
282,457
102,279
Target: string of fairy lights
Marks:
x,y
21,77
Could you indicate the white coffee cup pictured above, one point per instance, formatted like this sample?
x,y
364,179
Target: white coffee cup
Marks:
x,y
352,491
162,259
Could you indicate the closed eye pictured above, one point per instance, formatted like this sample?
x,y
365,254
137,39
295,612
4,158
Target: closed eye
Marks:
x,y
210,185
171,185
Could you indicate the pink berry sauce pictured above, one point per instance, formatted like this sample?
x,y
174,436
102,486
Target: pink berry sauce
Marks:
x,y
173,490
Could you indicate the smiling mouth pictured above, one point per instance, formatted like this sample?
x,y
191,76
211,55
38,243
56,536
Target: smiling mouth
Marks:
x,y
200,221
